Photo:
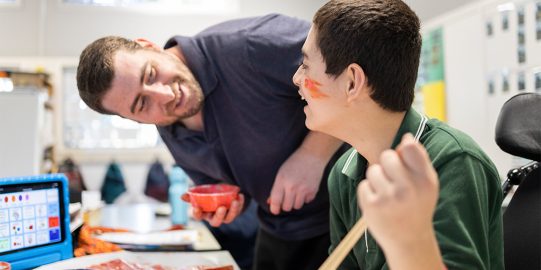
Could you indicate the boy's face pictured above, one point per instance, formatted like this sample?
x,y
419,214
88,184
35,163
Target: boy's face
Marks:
x,y
152,87
324,94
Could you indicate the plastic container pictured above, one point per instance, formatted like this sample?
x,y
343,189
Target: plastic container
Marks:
x,y
178,180
5,266
210,197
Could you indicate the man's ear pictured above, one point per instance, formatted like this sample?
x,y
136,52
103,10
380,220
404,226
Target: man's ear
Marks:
x,y
356,82
147,44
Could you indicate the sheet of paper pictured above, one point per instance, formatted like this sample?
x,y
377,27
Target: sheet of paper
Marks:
x,y
175,260
176,237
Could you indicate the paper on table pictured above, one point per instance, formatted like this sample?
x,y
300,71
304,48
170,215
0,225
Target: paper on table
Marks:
x,y
166,259
176,237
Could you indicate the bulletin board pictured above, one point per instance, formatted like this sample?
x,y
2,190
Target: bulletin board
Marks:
x,y
492,52
430,89
513,34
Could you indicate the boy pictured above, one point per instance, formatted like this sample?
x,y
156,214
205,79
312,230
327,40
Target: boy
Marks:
x,y
357,76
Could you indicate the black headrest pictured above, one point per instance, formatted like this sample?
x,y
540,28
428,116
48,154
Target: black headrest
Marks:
x,y
518,130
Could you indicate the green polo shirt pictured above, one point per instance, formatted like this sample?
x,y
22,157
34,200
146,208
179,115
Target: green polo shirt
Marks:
x,y
468,217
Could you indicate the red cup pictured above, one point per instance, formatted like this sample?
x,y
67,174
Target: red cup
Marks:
x,y
210,197
5,266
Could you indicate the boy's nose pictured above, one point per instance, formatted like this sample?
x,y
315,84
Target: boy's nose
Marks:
x,y
297,77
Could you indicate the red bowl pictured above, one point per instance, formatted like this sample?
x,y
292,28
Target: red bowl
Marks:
x,y
210,197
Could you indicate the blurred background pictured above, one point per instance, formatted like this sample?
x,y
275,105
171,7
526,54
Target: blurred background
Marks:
x,y
476,54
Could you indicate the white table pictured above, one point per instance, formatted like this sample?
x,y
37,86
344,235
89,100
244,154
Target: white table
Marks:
x,y
170,259
141,218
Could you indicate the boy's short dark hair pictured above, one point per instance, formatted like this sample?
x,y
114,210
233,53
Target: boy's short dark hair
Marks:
x,y
96,69
382,36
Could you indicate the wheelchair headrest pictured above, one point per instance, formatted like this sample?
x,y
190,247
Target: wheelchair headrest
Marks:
x,y
518,129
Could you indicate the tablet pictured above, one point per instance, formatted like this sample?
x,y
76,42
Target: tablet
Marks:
x,y
34,220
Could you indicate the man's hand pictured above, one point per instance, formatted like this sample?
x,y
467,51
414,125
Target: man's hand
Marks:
x,y
222,215
297,181
399,195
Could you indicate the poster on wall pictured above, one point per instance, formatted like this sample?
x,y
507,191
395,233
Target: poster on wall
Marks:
x,y
538,20
521,31
430,87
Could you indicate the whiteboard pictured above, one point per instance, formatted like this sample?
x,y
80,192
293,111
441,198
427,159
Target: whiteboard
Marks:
x,y
21,119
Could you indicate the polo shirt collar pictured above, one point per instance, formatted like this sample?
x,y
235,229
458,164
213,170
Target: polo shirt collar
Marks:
x,y
413,122
203,72
197,62
355,166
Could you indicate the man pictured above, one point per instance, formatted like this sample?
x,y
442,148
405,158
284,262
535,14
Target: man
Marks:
x,y
227,110
357,76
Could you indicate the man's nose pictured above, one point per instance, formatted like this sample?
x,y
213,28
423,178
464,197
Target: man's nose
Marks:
x,y
161,93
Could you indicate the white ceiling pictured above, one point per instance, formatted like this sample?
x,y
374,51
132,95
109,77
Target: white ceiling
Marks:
x,y
428,9
47,28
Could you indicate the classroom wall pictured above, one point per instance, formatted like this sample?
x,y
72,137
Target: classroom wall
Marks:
x,y
472,59
50,28
49,36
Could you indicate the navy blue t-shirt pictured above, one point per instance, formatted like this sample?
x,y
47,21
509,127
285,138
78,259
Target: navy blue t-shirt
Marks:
x,y
253,115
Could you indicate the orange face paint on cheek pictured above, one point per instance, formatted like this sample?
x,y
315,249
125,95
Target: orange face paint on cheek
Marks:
x,y
313,88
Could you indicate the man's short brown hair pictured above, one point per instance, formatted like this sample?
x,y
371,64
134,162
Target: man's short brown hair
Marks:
x,y
96,71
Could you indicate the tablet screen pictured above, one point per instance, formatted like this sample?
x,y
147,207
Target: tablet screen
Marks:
x,y
30,216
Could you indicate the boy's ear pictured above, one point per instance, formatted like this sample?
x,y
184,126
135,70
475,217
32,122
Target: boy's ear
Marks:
x,y
356,82
147,44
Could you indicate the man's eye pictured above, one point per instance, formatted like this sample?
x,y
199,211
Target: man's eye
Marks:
x,y
151,76
143,102
303,66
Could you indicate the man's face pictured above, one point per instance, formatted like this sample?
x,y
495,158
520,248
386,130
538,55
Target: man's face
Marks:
x,y
152,87
324,94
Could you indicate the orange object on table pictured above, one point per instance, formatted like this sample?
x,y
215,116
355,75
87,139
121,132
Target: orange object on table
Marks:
x,y
88,244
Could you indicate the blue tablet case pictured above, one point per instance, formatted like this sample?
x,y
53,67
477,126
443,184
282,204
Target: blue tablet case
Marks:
x,y
34,220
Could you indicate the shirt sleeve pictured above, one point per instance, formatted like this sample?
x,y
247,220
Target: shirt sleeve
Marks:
x,y
274,51
466,215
